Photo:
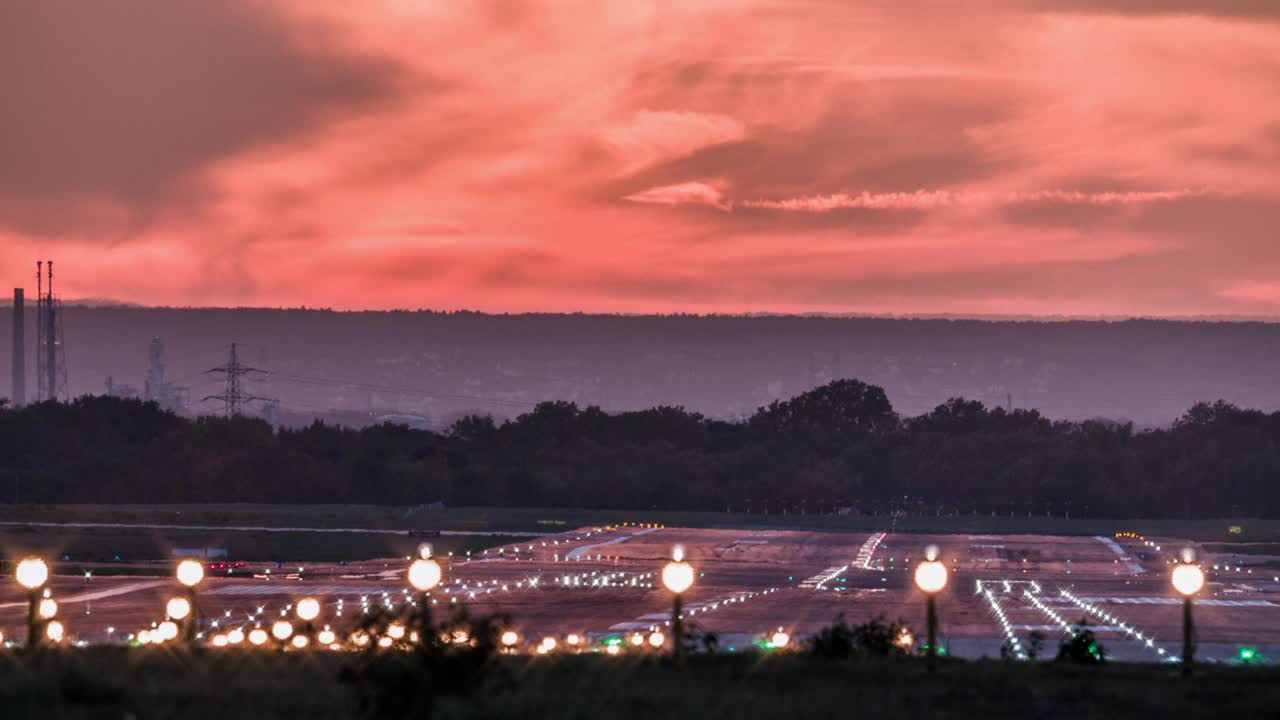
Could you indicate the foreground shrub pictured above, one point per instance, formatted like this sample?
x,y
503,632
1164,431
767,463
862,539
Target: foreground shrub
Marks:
x,y
451,658
875,638
1081,646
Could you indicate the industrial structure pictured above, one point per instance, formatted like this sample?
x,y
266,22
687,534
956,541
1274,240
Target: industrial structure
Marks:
x,y
18,397
51,359
159,390
156,388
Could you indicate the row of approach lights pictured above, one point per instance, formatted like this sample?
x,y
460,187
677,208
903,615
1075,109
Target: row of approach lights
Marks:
x,y
1187,578
425,574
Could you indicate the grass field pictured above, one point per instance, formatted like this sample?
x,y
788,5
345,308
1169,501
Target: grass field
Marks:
x,y
535,520
118,682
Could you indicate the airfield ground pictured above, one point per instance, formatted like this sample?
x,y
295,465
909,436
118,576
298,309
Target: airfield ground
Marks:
x,y
602,580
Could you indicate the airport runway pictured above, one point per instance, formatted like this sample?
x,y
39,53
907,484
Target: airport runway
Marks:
x,y
751,582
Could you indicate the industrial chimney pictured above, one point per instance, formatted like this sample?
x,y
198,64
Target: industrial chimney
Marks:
x,y
19,395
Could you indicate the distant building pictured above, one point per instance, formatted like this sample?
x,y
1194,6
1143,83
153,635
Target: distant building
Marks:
x,y
116,390
413,422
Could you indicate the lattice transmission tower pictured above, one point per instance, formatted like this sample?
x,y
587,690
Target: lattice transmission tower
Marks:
x,y
51,356
233,396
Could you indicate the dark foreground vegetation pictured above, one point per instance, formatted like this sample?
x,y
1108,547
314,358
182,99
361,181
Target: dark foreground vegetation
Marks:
x,y
118,682
838,446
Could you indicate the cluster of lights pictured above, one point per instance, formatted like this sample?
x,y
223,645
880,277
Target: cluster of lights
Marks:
x,y
733,600
596,579
1005,626
514,551
819,581
1100,614
1053,614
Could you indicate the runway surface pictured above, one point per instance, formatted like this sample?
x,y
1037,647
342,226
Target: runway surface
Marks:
x,y
604,581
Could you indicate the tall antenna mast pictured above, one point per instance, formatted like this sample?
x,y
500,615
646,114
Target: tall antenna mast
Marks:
x,y
42,390
233,397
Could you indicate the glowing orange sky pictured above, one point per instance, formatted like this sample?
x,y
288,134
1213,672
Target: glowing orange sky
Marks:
x,y
905,156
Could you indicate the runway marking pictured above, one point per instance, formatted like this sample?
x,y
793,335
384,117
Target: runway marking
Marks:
x,y
817,581
299,589
650,620
264,528
867,551
578,552
99,594
1053,628
1134,568
1210,602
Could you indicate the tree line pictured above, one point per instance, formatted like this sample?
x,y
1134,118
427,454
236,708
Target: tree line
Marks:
x,y
838,446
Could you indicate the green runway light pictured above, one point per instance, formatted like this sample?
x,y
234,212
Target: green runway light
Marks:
x,y
1247,654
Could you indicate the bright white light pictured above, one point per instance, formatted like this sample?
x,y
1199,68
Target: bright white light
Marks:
x,y
677,576
32,573
177,608
168,630
326,637
54,631
235,637
308,609
299,641
637,639
424,574
510,638
931,553
573,639
190,573
656,638
395,631
549,643
281,630
677,553
48,608
219,641
1188,579
257,636
780,639
613,649
931,576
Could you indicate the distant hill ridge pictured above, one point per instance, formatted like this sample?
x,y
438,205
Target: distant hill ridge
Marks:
x,y
441,365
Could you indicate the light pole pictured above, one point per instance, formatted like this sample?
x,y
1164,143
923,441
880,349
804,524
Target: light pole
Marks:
x,y
677,576
424,574
32,574
1187,579
308,609
178,610
931,578
190,573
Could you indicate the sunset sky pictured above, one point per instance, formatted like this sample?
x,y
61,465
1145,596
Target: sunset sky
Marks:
x,y
884,156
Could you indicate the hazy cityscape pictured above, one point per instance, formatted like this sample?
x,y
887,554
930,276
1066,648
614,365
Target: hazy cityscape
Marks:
x,y
353,368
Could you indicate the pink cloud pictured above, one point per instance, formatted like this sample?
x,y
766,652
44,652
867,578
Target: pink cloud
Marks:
x,y
688,193
1009,152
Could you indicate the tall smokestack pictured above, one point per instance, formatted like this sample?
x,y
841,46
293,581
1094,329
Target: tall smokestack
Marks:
x,y
19,396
